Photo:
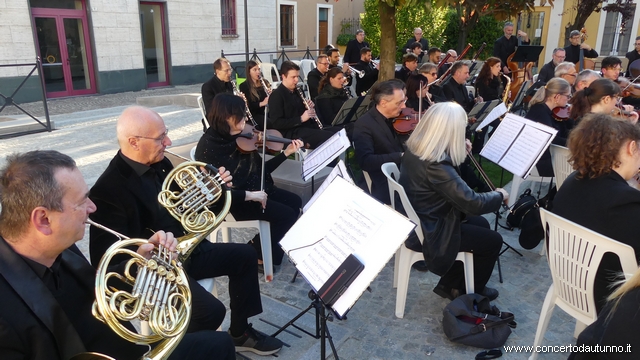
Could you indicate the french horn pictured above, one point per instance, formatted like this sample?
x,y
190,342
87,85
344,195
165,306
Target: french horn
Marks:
x,y
160,293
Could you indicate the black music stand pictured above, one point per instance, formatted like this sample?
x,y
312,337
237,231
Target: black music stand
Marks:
x,y
518,102
527,53
351,110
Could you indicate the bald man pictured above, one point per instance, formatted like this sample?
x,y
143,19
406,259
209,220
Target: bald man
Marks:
x,y
126,196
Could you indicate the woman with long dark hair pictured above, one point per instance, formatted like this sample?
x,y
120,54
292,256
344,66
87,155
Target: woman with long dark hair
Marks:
x,y
331,96
490,84
414,83
218,146
601,97
254,92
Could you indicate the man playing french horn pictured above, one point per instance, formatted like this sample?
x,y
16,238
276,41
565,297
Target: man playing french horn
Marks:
x,y
47,285
126,195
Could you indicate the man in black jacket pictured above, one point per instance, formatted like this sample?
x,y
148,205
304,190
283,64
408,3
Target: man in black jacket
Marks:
x,y
46,283
371,72
548,70
288,112
314,76
409,66
573,50
506,45
455,89
219,83
354,46
417,37
127,198
633,55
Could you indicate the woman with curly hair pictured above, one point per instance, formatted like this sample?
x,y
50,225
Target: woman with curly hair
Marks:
x,y
605,152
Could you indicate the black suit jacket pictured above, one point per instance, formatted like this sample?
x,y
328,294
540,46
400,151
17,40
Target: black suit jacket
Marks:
x,y
212,88
458,93
352,52
547,72
370,76
313,81
375,144
632,56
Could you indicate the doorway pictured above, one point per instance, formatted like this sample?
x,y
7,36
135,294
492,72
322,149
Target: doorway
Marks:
x,y
63,45
152,25
323,27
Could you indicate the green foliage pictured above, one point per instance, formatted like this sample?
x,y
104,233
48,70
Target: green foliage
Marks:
x,y
343,39
409,15
487,30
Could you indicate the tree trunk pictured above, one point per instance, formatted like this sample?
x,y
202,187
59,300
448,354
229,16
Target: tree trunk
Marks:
x,y
387,41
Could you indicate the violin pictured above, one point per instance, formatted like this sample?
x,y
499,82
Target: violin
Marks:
x,y
561,113
251,139
407,121
628,88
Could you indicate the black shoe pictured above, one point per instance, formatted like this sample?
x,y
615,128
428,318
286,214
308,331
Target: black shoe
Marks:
x,y
447,293
490,293
257,342
420,266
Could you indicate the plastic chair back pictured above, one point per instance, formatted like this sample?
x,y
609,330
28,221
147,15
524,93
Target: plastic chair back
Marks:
x,y
306,65
391,171
560,162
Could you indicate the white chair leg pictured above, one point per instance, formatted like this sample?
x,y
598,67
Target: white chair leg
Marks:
x,y
580,326
265,242
396,267
467,261
403,280
226,234
543,322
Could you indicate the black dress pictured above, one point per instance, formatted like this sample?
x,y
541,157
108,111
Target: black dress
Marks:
x,y
256,110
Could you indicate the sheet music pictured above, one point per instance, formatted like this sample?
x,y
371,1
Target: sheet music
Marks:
x,y
495,113
338,170
345,220
530,141
324,154
502,139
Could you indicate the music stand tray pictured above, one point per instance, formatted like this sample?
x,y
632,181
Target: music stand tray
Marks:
x,y
351,110
527,53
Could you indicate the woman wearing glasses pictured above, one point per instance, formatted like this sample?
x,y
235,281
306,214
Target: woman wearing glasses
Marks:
x,y
601,97
555,94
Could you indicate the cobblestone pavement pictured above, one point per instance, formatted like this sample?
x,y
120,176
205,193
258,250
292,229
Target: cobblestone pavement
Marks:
x,y
371,331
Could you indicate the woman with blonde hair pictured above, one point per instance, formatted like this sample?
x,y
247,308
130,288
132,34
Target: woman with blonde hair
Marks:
x,y
556,93
605,152
448,209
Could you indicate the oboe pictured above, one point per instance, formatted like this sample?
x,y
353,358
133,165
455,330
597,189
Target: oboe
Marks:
x,y
264,85
306,105
246,105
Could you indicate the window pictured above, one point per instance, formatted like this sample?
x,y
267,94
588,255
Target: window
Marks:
x,y
228,11
614,43
287,25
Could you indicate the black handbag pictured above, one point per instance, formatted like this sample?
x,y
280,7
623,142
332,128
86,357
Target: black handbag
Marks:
x,y
525,214
470,319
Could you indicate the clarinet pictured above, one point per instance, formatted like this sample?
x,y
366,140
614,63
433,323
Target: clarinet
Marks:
x,y
306,105
347,91
246,105
264,85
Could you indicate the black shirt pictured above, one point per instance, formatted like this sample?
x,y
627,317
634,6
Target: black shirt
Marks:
x,y
541,113
573,53
504,47
424,42
370,76
458,93
212,88
253,103
632,56
352,53
547,72
285,109
403,74
313,81
490,91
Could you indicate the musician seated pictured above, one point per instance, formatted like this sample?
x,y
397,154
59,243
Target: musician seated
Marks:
x,y
417,37
314,76
567,71
490,84
434,54
452,58
573,50
555,94
610,331
611,69
585,78
455,89
218,146
416,49
289,114
448,209
418,93
219,83
374,140
547,71
255,93
334,58
633,55
126,195
409,66
44,209
371,71
430,72
600,97
605,153
331,97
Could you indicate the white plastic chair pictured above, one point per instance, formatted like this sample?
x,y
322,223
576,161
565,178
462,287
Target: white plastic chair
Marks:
x,y
517,181
534,78
367,179
263,226
406,257
574,254
306,65
271,73
560,162
203,112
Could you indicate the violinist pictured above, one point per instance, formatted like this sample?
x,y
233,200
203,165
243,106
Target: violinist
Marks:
x,y
600,97
255,93
249,202
573,50
567,71
430,72
611,67
555,94
416,86
585,78
506,45
331,96
374,139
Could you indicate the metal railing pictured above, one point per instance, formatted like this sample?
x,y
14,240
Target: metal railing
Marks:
x,y
281,57
9,100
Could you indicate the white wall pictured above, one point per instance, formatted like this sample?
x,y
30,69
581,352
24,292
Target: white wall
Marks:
x,y
16,37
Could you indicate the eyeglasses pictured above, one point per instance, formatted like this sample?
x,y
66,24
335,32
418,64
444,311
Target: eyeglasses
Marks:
x,y
569,96
574,75
161,138
398,103
226,70
323,63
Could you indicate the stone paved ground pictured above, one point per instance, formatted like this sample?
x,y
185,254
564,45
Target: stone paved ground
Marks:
x,y
371,331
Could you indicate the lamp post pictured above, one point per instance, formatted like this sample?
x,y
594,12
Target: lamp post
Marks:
x,y
246,33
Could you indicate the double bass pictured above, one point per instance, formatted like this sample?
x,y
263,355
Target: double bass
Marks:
x,y
582,62
520,72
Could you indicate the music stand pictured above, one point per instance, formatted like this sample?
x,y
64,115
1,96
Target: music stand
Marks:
x,y
351,110
527,53
518,101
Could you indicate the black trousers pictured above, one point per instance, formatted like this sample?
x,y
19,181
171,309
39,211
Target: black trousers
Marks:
x,y
282,211
485,244
205,344
240,264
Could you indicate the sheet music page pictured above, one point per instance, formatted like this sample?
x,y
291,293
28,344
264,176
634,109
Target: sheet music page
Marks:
x,y
348,221
324,154
494,114
525,150
338,170
502,138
